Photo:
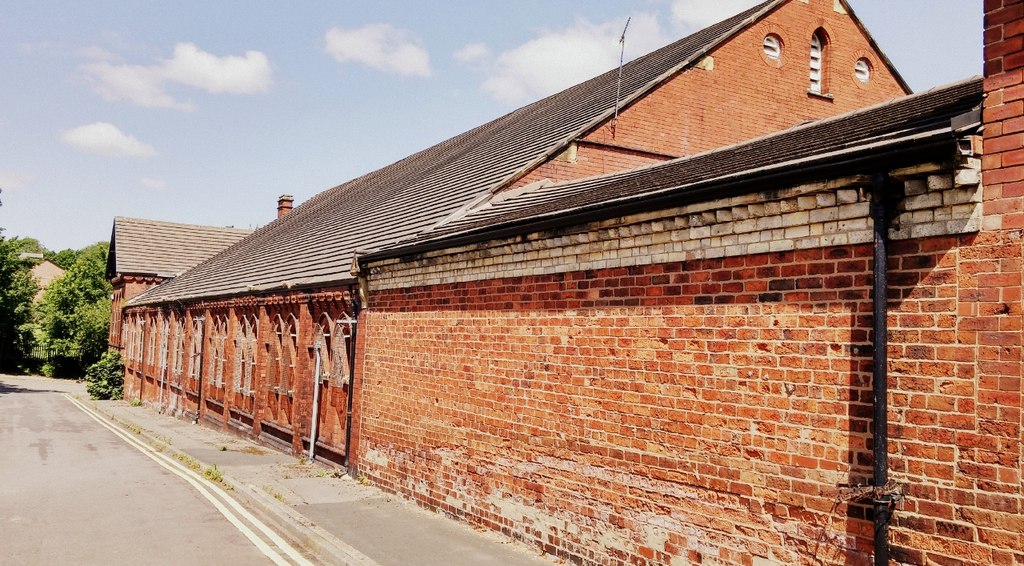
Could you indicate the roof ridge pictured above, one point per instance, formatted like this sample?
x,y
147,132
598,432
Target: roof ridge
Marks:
x,y
122,219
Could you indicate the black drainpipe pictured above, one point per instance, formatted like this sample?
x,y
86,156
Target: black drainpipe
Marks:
x,y
351,380
879,372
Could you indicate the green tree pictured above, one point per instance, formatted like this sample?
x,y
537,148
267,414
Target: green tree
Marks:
x,y
64,258
74,314
28,245
16,291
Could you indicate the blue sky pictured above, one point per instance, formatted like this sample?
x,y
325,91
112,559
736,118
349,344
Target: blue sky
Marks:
x,y
204,112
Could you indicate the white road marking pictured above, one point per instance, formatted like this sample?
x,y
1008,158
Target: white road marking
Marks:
x,y
204,488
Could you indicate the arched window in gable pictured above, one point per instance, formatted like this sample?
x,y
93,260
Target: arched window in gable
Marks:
x,y
819,62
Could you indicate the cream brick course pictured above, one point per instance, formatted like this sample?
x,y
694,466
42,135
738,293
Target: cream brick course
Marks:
x,y
804,217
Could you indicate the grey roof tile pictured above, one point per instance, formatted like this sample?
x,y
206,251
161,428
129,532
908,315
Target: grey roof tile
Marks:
x,y
152,247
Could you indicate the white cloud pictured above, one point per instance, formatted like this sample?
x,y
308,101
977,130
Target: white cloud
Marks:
x,y
379,46
230,74
556,60
699,14
14,181
102,138
145,86
473,53
142,86
155,184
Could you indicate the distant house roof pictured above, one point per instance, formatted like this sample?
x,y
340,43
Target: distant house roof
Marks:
x,y
313,245
824,148
165,249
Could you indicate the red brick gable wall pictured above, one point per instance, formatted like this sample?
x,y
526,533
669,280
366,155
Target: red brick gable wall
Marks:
x,y
741,95
126,288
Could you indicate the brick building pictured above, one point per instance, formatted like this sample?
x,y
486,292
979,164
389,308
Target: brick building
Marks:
x,y
675,363
676,360
144,253
44,273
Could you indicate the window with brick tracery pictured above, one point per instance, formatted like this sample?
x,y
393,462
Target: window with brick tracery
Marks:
x,y
195,349
322,343
218,342
178,366
339,353
245,355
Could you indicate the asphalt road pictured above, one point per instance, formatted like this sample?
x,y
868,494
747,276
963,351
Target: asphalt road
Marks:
x,y
74,492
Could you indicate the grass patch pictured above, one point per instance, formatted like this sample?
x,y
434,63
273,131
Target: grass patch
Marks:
x,y
188,460
273,493
213,474
136,403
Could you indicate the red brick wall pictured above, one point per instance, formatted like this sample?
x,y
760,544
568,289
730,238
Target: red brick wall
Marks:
x,y
279,410
715,410
707,410
745,95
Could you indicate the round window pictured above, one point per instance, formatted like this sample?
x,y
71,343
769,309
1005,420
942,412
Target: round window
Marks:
x,y
862,70
773,47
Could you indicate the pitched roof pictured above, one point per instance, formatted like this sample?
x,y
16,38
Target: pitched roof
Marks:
x,y
153,247
313,245
874,132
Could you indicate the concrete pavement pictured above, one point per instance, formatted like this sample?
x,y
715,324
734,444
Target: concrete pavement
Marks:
x,y
334,518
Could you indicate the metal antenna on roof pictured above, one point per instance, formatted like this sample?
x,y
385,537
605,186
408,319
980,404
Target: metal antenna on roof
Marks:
x,y
618,88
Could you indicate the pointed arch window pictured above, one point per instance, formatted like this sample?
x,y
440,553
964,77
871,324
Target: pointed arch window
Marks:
x,y
819,62
178,362
322,339
217,345
245,355
195,348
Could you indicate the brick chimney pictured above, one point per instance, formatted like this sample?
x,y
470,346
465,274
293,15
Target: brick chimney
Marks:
x,y
284,204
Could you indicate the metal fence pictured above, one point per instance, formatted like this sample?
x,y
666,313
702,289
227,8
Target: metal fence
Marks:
x,y
44,355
